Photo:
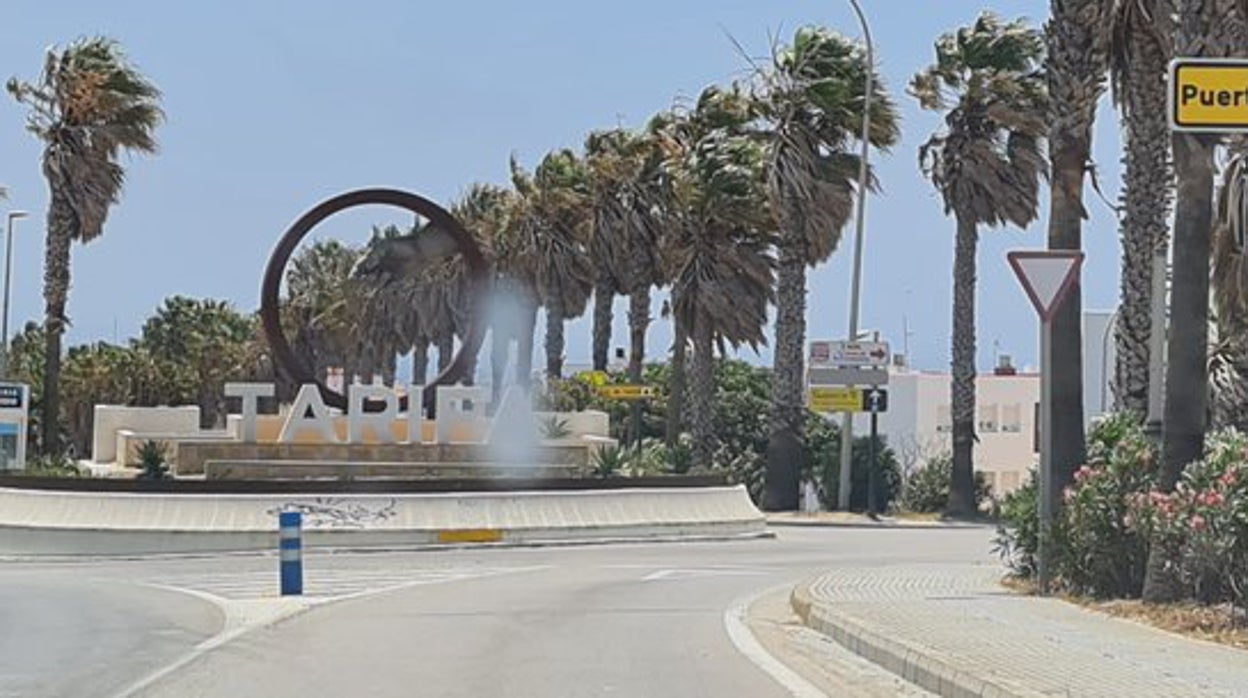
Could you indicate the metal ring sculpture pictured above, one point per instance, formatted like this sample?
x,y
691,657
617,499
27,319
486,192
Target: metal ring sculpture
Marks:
x,y
300,372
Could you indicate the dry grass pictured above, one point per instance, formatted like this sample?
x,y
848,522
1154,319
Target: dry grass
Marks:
x,y
1217,623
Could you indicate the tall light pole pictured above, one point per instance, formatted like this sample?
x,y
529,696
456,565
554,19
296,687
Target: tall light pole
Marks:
x,y
847,422
8,277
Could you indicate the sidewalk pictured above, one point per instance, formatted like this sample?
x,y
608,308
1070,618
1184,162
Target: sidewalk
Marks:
x,y
953,630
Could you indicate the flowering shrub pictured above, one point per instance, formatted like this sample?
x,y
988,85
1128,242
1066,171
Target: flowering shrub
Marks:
x,y
1097,551
1203,525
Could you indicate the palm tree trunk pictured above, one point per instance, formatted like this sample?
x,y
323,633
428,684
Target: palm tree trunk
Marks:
x,y
470,370
676,386
962,384
638,321
389,368
420,362
554,337
524,345
784,447
499,342
702,397
1146,204
1077,62
1183,431
603,299
55,292
446,350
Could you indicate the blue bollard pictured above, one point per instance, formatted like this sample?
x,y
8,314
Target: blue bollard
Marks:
x,y
290,552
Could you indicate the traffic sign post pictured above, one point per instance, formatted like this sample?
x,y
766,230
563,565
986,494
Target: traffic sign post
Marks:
x,y
876,402
1047,277
838,399
626,392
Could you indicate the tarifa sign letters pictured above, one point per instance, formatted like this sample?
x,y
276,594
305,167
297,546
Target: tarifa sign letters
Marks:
x,y
456,406
1209,95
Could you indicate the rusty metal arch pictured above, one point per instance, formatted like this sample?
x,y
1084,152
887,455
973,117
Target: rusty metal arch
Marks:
x,y
270,288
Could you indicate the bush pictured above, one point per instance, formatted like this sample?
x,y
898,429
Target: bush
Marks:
x,y
51,466
1017,538
1202,527
927,489
1096,547
608,461
152,461
1097,550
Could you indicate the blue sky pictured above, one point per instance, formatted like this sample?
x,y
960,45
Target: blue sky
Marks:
x,y
274,106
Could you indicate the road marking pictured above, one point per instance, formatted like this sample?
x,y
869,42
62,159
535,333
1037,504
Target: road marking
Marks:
x,y
702,572
246,613
748,645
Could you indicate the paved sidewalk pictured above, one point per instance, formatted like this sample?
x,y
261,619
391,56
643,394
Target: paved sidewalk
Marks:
x,y
953,630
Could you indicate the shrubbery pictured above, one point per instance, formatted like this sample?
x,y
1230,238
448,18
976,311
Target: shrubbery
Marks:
x,y
927,489
1112,513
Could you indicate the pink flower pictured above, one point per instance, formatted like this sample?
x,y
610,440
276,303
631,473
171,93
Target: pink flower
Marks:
x,y
1068,494
1198,523
1083,473
1229,478
1211,499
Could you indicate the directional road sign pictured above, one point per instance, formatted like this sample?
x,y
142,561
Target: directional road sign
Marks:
x,y
826,399
846,376
1209,95
858,353
626,392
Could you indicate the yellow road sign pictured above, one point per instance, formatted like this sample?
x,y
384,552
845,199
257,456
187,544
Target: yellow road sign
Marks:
x,y
1209,94
626,392
835,399
594,378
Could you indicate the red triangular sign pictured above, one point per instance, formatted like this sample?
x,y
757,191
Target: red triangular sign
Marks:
x,y
1047,276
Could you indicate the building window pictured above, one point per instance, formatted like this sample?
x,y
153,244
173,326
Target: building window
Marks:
x,y
944,419
988,419
1011,419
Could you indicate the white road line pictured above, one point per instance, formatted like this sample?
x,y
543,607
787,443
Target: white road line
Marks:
x,y
700,572
741,636
244,615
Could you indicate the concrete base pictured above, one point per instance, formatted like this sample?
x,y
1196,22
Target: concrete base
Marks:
x,y
320,470
44,522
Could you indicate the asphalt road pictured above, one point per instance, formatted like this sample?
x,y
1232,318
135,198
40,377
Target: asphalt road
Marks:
x,y
622,620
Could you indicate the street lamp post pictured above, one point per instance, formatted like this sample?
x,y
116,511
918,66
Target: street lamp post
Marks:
x,y
847,421
8,277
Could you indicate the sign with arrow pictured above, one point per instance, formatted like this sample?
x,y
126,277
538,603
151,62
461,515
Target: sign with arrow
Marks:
x,y
845,353
830,399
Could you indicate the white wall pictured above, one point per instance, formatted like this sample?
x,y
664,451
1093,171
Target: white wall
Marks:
x,y
172,421
1098,363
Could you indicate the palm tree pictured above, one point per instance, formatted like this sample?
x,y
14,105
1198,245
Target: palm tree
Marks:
x,y
322,306
812,99
1213,28
1139,50
554,232
1076,63
206,336
624,172
1228,361
719,253
987,166
88,107
609,174
484,210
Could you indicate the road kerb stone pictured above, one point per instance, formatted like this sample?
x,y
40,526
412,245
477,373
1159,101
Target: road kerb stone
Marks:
x,y
911,663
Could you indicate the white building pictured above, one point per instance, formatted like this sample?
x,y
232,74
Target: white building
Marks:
x,y
918,421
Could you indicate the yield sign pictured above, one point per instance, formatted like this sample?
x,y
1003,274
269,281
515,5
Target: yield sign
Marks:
x,y
1047,277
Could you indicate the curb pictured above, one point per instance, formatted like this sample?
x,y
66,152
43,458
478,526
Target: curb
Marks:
x,y
907,525
912,664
